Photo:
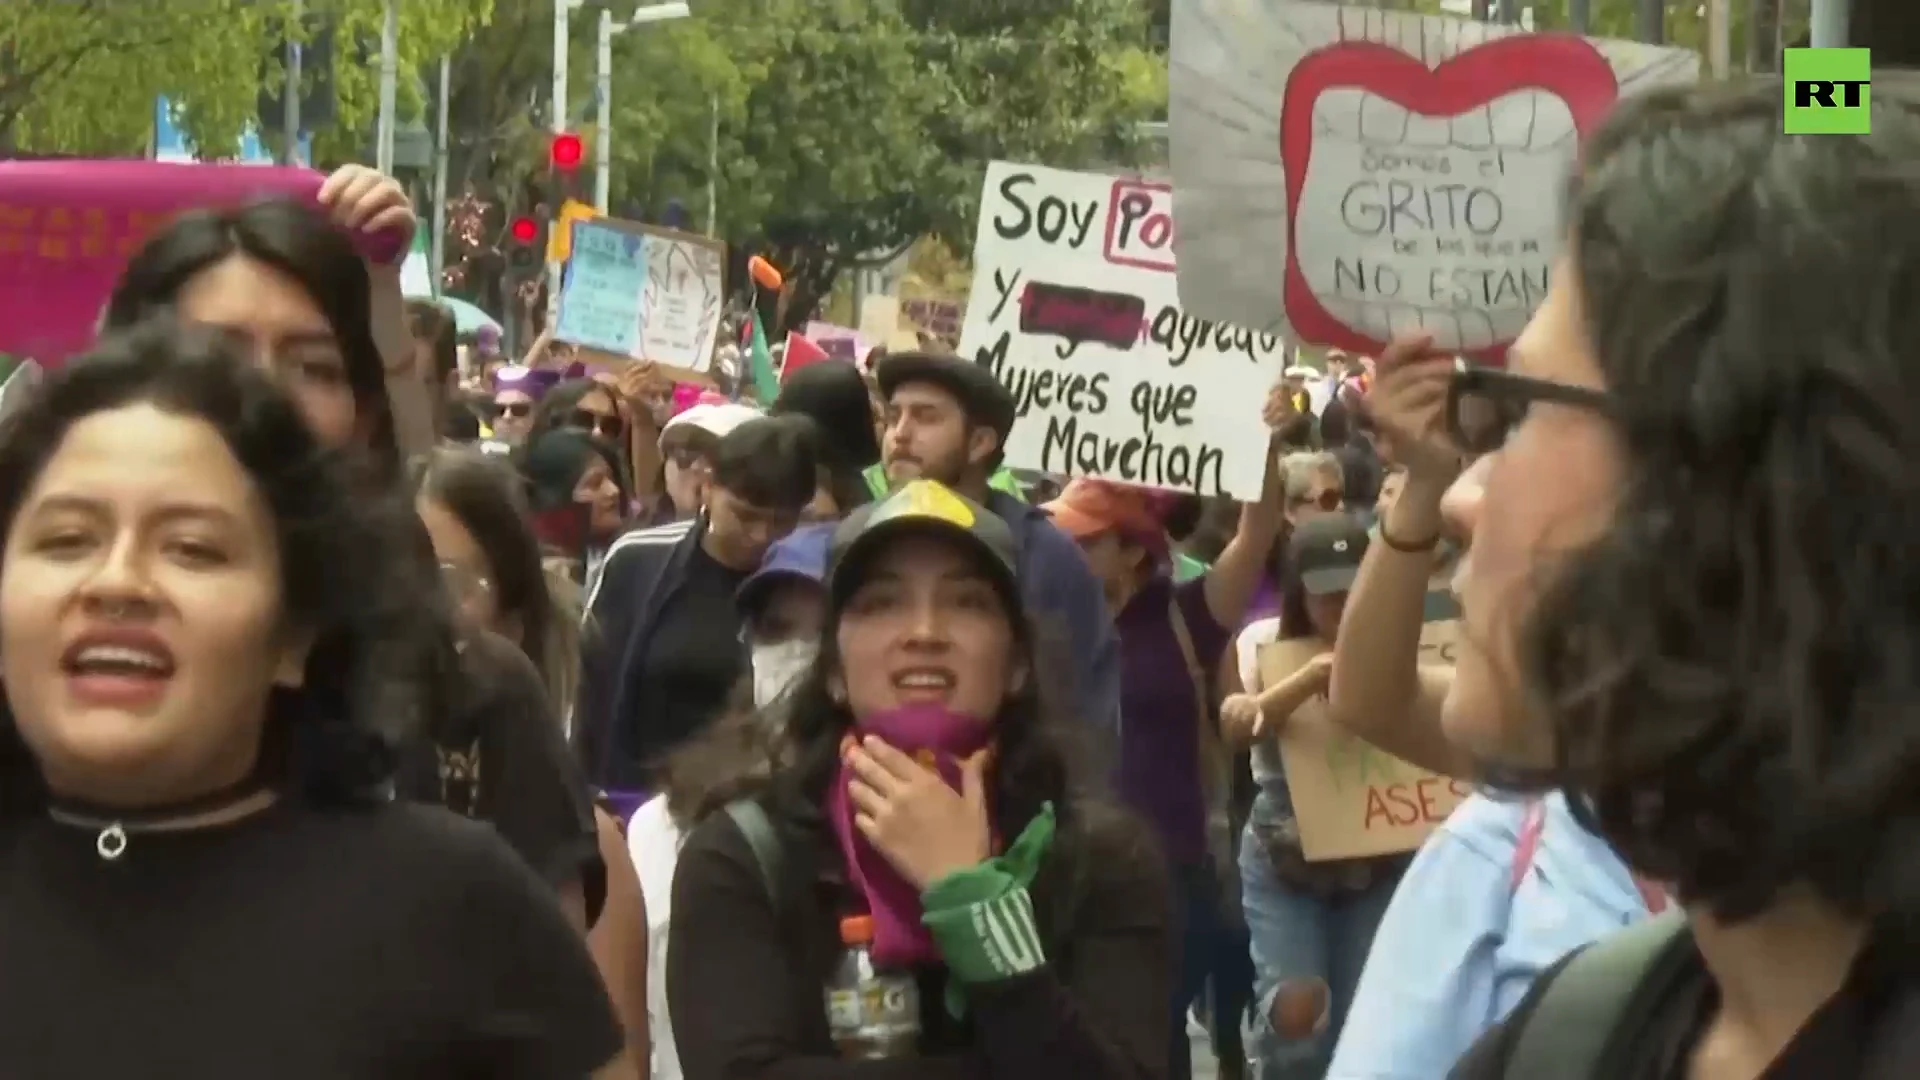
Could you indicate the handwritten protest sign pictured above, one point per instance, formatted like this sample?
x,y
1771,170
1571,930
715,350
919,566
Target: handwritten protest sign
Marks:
x,y
1353,799
600,302
1074,309
67,229
657,299
1345,174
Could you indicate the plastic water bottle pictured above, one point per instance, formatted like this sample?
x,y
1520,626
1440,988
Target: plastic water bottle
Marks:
x,y
871,1014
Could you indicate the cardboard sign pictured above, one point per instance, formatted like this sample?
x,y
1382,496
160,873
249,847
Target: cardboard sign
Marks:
x,y
1347,173
1351,798
1074,309
639,292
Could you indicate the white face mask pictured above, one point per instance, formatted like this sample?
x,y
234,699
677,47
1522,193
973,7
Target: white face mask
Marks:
x,y
777,667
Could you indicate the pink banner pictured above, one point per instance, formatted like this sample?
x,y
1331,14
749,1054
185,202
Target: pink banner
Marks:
x,y
67,229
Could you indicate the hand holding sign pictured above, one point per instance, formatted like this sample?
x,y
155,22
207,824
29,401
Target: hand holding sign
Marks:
x,y
363,200
1408,404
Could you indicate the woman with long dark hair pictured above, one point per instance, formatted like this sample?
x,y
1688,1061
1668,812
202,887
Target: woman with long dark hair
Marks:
x,y
285,284
1310,924
930,816
471,505
207,639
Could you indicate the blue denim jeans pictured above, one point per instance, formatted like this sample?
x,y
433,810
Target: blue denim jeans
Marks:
x,y
1302,938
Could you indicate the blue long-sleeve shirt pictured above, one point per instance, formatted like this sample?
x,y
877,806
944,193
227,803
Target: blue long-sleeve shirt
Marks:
x,y
1471,926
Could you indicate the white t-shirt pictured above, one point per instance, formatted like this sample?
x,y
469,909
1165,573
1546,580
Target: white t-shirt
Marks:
x,y
1246,648
653,842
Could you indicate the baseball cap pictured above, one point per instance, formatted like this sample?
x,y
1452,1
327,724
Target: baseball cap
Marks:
x,y
984,398
716,420
924,508
1326,551
801,555
1088,507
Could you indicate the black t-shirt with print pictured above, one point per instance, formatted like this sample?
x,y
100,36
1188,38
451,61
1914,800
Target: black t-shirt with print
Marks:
x,y
1870,1030
501,756
694,658
388,942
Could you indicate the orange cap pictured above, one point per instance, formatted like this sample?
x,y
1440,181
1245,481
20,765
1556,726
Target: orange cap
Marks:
x,y
856,930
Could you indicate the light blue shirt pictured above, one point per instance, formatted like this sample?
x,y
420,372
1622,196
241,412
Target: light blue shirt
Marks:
x,y
1460,945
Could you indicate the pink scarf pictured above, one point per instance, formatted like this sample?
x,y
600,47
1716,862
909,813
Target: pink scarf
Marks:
x,y
940,740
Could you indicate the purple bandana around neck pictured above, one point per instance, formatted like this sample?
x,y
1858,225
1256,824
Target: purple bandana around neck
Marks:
x,y
940,739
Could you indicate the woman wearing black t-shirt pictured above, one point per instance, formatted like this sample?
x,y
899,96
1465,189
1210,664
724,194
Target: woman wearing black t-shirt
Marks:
x,y
207,654
286,284
927,791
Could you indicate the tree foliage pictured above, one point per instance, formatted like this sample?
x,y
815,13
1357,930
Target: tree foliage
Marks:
x,y
848,128
80,76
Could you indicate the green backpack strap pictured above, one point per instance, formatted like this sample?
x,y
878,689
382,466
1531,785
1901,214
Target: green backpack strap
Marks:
x,y
752,821
1580,1013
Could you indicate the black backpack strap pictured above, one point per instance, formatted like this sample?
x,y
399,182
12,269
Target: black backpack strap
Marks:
x,y
1580,1014
752,821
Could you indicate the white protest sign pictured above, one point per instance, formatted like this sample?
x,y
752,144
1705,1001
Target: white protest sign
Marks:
x,y
1346,174
1074,308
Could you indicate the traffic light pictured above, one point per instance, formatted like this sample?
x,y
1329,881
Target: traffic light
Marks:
x,y
566,152
525,234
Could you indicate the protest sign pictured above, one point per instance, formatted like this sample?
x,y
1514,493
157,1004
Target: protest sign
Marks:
x,y
640,292
1346,174
1351,798
67,229
560,237
1074,309
839,342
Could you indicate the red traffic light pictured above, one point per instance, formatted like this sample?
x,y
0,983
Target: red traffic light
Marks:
x,y
525,230
566,151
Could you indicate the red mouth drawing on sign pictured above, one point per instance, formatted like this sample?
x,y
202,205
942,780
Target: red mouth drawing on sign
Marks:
x,y
1563,65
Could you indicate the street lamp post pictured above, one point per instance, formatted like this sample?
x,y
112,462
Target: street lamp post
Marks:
x,y
603,90
561,10
389,83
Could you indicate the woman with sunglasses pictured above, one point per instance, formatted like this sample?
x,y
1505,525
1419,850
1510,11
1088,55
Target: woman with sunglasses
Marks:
x,y
517,392
1688,598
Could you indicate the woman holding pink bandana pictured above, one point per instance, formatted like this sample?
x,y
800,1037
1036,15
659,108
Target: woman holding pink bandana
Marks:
x,y
926,787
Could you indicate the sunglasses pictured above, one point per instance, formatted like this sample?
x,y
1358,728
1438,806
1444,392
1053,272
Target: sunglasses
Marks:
x,y
513,408
1485,404
1330,499
607,427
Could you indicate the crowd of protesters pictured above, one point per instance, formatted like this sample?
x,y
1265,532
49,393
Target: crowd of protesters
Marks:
x,y
356,727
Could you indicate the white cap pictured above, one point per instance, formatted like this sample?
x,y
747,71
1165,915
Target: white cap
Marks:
x,y
1300,371
716,420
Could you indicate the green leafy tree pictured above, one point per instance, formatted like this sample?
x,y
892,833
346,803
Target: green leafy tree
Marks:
x,y
848,129
80,76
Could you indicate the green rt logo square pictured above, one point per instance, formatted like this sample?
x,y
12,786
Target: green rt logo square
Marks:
x,y
1827,92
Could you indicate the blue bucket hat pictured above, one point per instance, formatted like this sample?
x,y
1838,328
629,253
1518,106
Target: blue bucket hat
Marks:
x,y
801,555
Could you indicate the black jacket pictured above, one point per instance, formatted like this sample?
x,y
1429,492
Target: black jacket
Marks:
x,y
745,981
638,577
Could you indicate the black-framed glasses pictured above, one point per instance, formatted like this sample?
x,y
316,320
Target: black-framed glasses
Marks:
x,y
607,427
1485,404
513,409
